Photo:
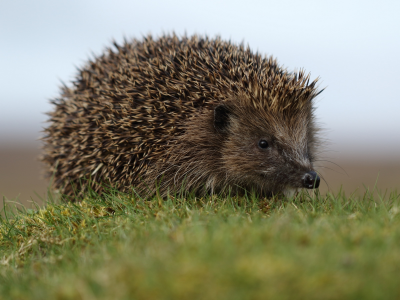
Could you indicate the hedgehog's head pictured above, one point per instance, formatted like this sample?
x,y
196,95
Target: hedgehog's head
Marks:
x,y
267,146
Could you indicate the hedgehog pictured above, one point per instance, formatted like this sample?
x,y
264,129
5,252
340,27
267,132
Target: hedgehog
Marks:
x,y
183,114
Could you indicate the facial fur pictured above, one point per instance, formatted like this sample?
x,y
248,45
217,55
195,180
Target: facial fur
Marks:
x,y
278,166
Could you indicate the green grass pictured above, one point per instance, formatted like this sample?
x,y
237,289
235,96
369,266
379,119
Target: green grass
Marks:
x,y
121,247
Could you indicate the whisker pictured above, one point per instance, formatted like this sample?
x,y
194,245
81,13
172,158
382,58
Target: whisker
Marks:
x,y
322,177
330,169
335,165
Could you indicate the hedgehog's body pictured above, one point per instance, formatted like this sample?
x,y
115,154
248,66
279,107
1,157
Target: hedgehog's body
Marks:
x,y
199,114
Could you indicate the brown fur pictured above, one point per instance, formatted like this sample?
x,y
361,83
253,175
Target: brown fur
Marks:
x,y
144,114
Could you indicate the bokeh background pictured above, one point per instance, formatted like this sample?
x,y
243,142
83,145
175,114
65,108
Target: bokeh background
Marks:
x,y
353,46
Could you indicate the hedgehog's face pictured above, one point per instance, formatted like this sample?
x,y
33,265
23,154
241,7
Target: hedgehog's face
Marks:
x,y
266,152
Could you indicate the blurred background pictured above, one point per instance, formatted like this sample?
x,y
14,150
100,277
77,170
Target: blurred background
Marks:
x,y
353,46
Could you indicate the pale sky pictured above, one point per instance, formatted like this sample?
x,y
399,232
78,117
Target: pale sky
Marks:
x,y
353,46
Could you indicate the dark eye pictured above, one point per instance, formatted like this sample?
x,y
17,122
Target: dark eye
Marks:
x,y
263,144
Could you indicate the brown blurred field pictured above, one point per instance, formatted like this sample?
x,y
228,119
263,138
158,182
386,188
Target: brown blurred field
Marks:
x,y
20,173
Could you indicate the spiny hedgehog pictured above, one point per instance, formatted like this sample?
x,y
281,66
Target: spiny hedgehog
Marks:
x,y
191,113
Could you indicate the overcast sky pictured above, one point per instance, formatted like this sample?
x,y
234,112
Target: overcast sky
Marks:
x,y
353,46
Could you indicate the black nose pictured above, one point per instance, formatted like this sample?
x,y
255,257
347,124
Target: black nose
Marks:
x,y
311,180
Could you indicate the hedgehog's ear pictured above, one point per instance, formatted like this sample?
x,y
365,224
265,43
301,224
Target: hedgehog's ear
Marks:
x,y
221,118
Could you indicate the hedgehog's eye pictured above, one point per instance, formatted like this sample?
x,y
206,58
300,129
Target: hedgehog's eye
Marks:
x,y
263,144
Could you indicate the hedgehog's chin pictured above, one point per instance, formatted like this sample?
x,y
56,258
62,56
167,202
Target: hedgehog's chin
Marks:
x,y
290,192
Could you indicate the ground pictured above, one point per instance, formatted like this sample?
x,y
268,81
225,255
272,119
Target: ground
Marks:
x,y
119,246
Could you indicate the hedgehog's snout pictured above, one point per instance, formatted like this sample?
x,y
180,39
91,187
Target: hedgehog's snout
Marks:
x,y
311,180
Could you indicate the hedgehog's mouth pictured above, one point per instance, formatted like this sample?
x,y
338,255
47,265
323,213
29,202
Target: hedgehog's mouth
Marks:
x,y
290,192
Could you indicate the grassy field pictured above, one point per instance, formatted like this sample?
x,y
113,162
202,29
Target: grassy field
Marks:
x,y
122,247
